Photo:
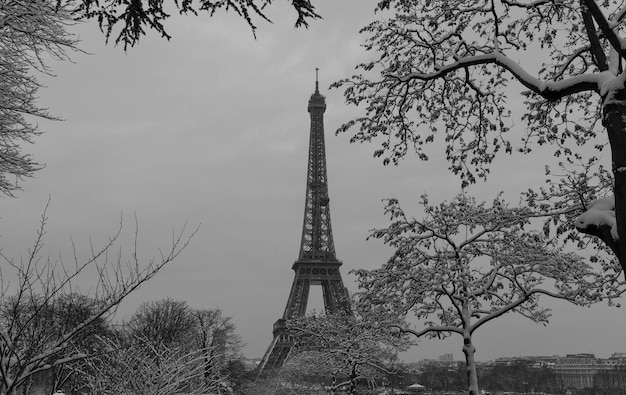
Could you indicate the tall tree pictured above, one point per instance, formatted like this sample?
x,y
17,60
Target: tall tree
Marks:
x,y
33,339
441,70
31,32
466,264
172,326
42,321
167,322
66,312
215,335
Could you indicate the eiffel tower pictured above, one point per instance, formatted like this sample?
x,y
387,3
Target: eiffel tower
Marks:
x,y
317,263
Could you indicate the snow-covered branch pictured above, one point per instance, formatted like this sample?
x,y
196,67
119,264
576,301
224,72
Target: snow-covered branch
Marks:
x,y
599,214
551,90
143,367
353,346
431,330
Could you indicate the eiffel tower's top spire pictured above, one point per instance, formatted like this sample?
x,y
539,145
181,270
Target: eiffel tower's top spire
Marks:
x,y
317,100
317,83
317,237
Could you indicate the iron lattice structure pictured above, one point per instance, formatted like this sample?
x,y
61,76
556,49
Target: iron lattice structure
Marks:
x,y
317,263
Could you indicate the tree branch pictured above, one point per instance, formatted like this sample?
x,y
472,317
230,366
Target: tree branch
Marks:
x,y
615,41
595,47
552,90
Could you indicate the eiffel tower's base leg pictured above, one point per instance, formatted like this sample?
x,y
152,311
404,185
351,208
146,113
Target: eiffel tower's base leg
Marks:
x,y
324,273
279,350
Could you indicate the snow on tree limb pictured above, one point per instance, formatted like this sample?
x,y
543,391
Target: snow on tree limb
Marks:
x,y
551,90
600,213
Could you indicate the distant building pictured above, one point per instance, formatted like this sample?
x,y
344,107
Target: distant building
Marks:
x,y
536,361
446,357
586,371
576,370
510,360
571,372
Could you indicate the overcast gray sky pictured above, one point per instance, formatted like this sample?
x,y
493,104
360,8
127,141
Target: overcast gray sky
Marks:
x,y
212,128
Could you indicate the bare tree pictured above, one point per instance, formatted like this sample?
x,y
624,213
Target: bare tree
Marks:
x,y
28,343
167,322
142,367
46,320
178,327
442,69
466,264
215,334
31,32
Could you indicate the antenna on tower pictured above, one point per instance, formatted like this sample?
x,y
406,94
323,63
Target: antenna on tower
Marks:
x,y
317,84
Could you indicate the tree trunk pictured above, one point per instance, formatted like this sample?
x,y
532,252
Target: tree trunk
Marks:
x,y
470,364
353,379
614,111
